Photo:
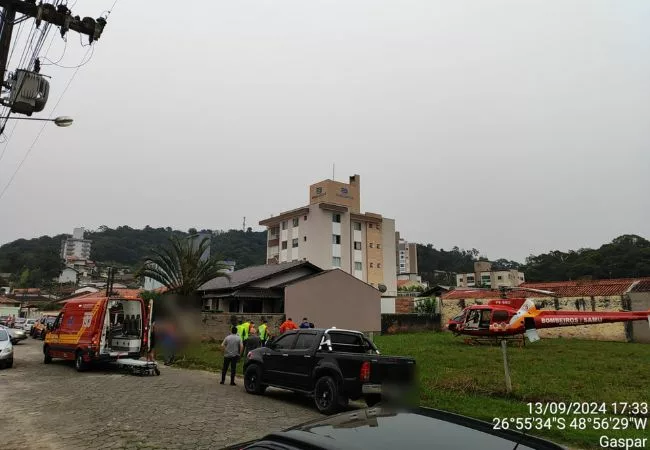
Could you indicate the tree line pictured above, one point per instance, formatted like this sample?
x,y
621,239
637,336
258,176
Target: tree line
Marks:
x,y
36,262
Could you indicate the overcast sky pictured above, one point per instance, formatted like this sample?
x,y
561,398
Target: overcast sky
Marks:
x,y
514,127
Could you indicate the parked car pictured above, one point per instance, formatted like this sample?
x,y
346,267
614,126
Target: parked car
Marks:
x,y
4,320
6,349
40,328
15,334
332,366
27,326
389,429
19,322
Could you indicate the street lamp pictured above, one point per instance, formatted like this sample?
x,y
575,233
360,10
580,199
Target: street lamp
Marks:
x,y
61,121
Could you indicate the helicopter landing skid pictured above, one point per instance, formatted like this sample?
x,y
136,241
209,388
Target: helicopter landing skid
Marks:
x,y
496,340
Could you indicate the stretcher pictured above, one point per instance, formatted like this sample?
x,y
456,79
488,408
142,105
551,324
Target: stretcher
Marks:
x,y
137,366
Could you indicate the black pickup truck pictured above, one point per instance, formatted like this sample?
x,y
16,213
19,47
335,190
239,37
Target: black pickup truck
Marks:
x,y
332,366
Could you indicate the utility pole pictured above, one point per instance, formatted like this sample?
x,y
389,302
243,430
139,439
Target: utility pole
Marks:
x,y
44,12
244,224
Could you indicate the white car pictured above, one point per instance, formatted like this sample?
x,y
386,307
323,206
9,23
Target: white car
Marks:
x,y
27,326
15,334
6,349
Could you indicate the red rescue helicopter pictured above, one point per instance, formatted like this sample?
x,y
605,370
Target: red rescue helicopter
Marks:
x,y
507,318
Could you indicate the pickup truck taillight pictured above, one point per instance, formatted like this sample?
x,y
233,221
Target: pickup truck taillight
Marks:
x,y
364,373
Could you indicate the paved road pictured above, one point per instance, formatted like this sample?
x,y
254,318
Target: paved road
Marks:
x,y
55,407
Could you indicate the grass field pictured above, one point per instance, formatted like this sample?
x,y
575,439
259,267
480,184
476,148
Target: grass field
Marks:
x,y
470,380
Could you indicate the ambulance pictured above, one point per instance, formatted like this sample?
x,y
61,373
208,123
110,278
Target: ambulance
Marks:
x,y
98,328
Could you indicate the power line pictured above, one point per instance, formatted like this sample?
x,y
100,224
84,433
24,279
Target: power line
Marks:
x,y
31,147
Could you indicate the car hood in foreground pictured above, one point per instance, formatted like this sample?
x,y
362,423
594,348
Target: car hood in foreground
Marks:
x,y
417,428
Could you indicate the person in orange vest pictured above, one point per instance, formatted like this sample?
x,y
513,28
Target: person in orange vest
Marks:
x,y
288,325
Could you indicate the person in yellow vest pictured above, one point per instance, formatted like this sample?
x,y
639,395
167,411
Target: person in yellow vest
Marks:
x,y
240,329
246,326
263,332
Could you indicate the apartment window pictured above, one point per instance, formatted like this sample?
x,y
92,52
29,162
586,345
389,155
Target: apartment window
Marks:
x,y
378,245
295,222
336,239
370,244
402,265
304,238
304,218
372,265
401,256
284,225
336,218
284,245
294,243
358,266
356,226
336,261
357,245
369,225
499,277
378,265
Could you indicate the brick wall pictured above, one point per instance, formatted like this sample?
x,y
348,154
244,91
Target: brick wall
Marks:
x,y
404,305
600,332
409,323
217,325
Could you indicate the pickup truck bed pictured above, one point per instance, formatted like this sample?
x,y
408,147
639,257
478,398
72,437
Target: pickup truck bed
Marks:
x,y
332,366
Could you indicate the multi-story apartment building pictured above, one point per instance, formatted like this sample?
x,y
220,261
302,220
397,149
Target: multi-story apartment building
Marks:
x,y
76,247
484,276
332,232
406,256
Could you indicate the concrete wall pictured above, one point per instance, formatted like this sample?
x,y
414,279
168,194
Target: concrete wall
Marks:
x,y
409,323
217,326
640,301
334,298
318,231
601,332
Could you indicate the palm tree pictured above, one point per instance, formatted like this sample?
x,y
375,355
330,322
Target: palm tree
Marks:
x,y
180,268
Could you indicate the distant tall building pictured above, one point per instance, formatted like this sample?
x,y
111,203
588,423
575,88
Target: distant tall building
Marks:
x,y
332,232
406,256
198,238
76,247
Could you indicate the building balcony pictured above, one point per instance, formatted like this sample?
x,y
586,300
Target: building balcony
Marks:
x,y
274,242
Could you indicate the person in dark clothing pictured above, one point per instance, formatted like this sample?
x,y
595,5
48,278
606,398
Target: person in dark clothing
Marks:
x,y
232,347
304,323
252,342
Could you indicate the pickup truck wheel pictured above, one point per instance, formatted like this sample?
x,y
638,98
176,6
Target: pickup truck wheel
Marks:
x,y
253,380
372,399
79,362
47,358
326,395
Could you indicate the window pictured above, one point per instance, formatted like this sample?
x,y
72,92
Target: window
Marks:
x,y
305,341
372,265
284,225
378,245
336,239
370,244
500,316
294,243
356,226
401,256
295,222
357,245
304,238
304,218
378,228
378,265
499,277
358,266
284,245
369,225
336,218
402,265
285,342
336,261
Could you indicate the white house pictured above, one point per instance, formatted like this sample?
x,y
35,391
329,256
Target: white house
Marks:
x,y
69,275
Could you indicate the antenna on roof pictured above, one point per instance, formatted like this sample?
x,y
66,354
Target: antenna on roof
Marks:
x,y
333,178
